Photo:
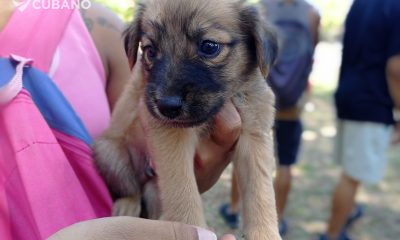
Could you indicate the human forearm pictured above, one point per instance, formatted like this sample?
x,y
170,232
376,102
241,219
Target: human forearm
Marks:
x,y
135,229
106,30
315,21
393,76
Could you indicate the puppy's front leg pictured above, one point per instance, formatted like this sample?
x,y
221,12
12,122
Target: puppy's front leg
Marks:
x,y
111,150
173,149
253,160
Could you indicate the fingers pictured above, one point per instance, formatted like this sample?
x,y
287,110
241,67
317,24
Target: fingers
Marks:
x,y
396,135
395,138
227,126
137,68
127,228
228,237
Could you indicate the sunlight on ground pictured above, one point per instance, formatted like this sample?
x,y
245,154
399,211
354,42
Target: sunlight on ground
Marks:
x,y
328,131
309,136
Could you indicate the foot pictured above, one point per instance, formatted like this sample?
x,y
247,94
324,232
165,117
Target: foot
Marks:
x,y
231,219
355,215
283,227
342,236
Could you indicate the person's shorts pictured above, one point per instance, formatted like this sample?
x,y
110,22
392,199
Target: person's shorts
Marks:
x,y
361,149
287,138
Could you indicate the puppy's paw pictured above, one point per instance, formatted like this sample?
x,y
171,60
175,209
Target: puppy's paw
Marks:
x,y
262,235
108,150
127,207
113,162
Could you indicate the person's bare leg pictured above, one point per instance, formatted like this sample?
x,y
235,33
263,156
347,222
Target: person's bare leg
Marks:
x,y
283,183
342,204
235,195
230,211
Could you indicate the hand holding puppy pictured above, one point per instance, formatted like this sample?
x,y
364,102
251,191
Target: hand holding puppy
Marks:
x,y
135,229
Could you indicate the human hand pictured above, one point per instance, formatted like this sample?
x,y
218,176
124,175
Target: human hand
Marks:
x,y
396,135
126,228
212,155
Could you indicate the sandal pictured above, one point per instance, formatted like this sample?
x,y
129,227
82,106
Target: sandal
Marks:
x,y
283,227
355,215
231,219
342,236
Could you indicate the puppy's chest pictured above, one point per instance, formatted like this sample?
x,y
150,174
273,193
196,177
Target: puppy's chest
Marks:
x,y
239,100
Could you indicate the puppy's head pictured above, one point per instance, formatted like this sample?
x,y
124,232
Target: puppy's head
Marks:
x,y
197,54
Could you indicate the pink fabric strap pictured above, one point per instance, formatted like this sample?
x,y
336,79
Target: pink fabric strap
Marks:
x,y
44,31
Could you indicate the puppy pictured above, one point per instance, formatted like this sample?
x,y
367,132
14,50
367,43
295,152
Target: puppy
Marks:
x,y
197,55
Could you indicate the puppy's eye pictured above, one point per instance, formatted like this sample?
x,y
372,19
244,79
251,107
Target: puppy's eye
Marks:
x,y
149,53
209,48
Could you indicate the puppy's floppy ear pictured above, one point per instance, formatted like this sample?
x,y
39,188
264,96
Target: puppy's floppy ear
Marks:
x,y
262,36
132,36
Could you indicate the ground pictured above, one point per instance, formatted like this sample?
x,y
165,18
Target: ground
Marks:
x,y
316,174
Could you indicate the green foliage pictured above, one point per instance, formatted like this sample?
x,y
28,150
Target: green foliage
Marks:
x,y
333,14
123,8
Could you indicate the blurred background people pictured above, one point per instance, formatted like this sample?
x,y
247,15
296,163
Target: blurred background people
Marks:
x,y
297,24
368,91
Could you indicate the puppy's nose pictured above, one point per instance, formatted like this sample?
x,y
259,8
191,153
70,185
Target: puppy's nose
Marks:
x,y
170,107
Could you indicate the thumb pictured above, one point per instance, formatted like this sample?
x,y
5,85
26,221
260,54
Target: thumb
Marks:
x,y
126,228
227,126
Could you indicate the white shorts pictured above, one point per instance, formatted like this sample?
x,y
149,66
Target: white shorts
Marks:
x,y
361,149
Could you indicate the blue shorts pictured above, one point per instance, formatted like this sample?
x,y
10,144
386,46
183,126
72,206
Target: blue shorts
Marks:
x,y
287,139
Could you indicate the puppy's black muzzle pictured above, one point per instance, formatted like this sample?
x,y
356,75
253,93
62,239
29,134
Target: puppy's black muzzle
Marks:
x,y
170,107
184,93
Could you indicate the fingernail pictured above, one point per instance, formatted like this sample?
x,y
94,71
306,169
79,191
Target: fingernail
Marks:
x,y
204,234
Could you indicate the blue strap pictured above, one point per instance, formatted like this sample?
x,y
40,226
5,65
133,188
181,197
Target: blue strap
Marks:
x,y
54,107
52,104
7,71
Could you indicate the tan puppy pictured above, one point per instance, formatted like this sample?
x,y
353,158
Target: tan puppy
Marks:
x,y
197,55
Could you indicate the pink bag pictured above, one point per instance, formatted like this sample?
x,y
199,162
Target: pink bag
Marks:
x,y
47,177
